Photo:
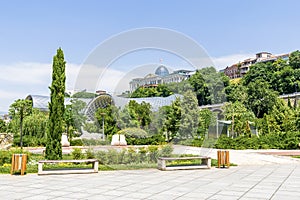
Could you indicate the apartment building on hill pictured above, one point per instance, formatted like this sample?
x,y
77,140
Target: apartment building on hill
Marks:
x,y
238,70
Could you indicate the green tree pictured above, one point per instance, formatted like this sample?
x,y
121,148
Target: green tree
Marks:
x,y
161,90
240,117
216,83
109,113
206,118
172,120
2,126
236,92
261,98
84,95
20,109
125,120
74,117
140,112
56,108
189,116
294,59
35,124
200,87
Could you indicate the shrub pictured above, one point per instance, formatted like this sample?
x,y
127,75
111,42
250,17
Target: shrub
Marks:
x,y
89,154
77,154
133,133
153,153
29,141
156,139
76,142
166,151
94,142
274,140
102,157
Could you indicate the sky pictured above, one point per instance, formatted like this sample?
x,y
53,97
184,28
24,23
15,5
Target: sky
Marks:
x,y
229,31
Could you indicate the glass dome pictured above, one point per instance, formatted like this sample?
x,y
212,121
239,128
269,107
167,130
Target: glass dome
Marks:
x,y
162,71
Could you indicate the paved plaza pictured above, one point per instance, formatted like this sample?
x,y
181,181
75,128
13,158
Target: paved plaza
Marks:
x,y
266,177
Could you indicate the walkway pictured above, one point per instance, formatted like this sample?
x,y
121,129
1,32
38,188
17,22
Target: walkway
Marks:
x,y
247,182
258,176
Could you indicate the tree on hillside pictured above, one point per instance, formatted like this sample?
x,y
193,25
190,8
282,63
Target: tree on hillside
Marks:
x,y
56,108
259,71
200,87
209,86
236,92
294,59
20,109
161,90
261,98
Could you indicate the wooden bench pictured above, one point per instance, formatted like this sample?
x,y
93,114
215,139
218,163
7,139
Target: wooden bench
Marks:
x,y
94,168
204,164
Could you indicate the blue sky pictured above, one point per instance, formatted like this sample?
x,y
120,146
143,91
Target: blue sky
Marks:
x,y
230,30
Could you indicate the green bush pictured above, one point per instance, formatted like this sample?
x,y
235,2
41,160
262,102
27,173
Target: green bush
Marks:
x,y
5,157
156,139
95,142
102,157
166,151
89,154
76,142
29,141
275,140
77,154
133,133
153,153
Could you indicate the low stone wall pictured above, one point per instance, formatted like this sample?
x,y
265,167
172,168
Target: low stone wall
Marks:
x,y
6,140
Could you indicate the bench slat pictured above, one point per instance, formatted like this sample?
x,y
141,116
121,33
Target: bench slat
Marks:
x,y
206,163
184,158
67,161
94,169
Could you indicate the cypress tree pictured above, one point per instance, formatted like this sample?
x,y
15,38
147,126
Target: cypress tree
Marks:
x,y
56,108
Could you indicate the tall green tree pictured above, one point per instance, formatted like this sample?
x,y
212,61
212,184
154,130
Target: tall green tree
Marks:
x,y
20,109
140,112
56,108
261,98
200,87
206,118
189,116
172,120
109,113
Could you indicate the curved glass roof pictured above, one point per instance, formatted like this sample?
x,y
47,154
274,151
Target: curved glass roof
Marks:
x,y
41,102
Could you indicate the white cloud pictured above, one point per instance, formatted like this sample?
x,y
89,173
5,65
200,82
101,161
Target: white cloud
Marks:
x,y
224,61
17,80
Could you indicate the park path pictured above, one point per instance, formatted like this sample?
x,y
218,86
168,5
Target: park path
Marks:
x,y
245,157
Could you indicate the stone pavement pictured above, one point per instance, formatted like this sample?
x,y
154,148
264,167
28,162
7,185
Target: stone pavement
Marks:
x,y
242,182
257,176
